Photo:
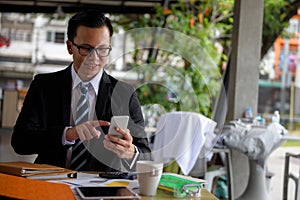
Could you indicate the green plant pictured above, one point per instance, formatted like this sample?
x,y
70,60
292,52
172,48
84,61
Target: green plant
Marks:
x,y
210,23
192,82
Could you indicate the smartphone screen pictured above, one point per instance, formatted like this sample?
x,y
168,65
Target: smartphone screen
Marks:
x,y
118,121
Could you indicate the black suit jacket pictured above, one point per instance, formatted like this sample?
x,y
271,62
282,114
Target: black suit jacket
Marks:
x,y
46,113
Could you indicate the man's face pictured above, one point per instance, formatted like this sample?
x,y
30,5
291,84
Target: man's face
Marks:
x,y
87,66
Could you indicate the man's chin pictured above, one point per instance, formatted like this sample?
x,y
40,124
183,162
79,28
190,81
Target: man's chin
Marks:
x,y
88,74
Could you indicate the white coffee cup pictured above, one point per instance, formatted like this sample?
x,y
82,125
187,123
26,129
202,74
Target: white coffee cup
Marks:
x,y
148,174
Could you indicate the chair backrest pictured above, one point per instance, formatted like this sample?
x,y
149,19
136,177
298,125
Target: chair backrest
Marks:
x,y
181,136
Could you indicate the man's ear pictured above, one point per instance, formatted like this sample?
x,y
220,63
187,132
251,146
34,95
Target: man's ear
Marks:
x,y
69,47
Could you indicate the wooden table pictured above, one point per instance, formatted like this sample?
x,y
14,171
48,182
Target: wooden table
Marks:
x,y
205,195
24,188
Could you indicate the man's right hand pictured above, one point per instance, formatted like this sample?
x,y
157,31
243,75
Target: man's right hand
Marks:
x,y
86,130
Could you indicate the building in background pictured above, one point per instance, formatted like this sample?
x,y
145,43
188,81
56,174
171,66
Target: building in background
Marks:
x,y
36,43
280,76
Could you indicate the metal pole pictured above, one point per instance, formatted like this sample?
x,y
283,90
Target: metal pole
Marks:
x,y
292,91
284,77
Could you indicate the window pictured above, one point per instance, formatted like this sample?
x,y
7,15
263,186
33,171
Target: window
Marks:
x,y
18,35
55,37
49,36
28,37
5,32
59,37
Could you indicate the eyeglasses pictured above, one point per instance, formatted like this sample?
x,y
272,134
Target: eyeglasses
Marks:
x,y
85,50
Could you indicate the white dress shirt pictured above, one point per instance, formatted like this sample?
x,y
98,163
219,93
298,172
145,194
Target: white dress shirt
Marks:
x,y
92,95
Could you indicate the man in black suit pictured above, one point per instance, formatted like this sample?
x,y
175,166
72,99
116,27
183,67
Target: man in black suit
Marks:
x,y
46,125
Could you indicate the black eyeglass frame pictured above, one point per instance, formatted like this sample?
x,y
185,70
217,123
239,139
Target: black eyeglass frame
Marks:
x,y
90,49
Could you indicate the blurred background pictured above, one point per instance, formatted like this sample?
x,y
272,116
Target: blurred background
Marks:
x,y
33,36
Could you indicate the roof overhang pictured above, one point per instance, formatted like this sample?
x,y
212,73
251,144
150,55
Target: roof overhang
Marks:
x,y
72,6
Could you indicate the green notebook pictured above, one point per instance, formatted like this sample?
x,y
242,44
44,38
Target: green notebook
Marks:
x,y
179,185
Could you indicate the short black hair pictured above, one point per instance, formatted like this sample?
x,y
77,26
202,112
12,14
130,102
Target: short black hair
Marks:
x,y
89,18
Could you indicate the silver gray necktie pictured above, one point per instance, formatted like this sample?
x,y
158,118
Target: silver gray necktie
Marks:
x,y
79,152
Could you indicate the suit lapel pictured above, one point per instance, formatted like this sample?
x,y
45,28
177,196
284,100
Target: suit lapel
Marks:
x,y
103,99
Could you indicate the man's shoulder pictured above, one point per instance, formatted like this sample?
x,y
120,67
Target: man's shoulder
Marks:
x,y
117,82
52,75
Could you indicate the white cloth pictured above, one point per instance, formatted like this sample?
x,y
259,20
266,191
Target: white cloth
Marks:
x,y
181,136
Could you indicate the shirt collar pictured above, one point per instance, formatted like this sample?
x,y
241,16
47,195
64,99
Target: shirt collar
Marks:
x,y
95,82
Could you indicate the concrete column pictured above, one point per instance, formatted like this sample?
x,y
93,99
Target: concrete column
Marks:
x,y
244,75
246,48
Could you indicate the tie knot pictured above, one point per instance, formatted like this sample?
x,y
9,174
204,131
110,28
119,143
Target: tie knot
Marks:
x,y
84,88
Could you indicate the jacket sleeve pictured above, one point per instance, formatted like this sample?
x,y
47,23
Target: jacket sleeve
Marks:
x,y
124,101
32,134
140,138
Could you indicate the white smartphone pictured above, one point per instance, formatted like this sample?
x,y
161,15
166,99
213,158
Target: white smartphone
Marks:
x,y
117,121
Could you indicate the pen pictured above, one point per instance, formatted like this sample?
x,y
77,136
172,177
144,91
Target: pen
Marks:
x,y
70,183
98,181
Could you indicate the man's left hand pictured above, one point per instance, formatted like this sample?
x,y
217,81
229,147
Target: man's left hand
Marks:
x,y
123,147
